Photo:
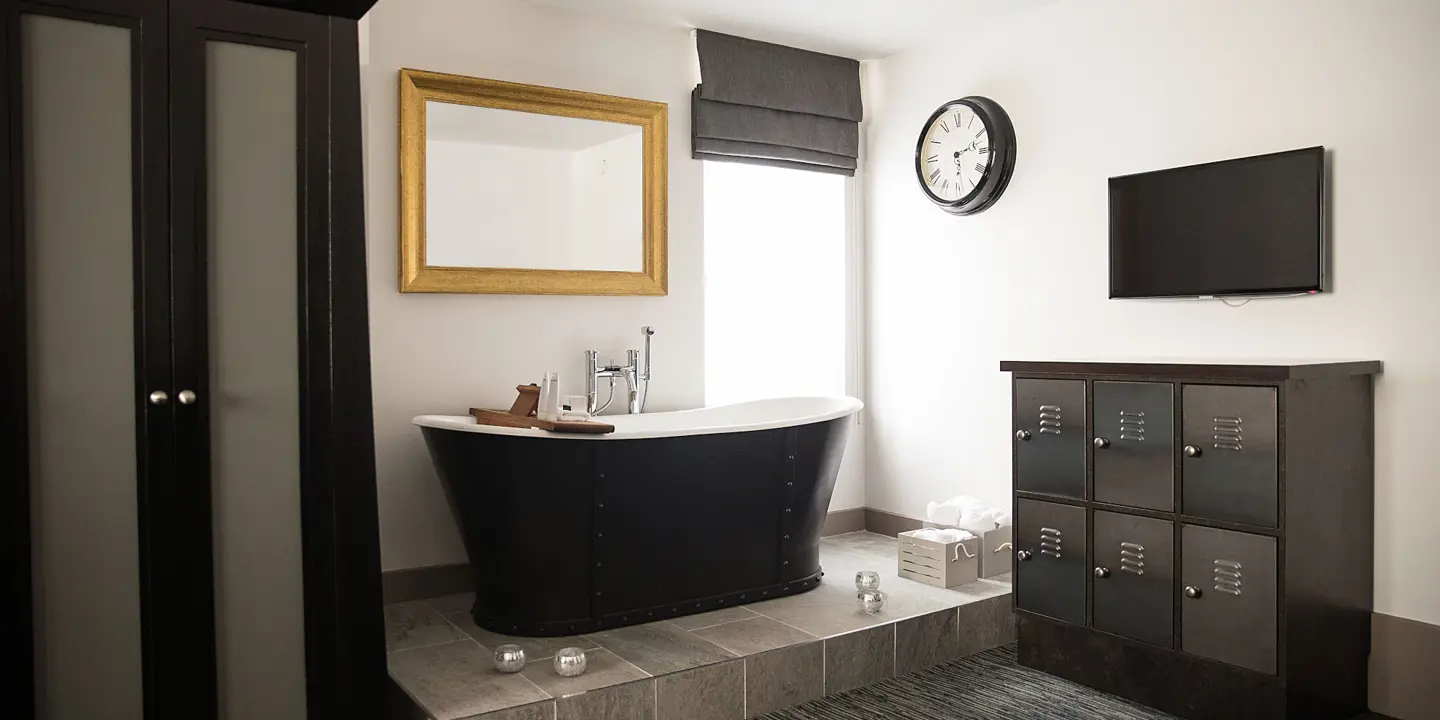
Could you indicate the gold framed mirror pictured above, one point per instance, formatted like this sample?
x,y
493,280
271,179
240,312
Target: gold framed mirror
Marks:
x,y
529,190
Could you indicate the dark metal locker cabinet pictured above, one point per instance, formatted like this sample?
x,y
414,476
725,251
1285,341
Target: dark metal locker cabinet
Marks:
x,y
1051,569
1050,437
1134,428
1228,604
1231,453
1134,577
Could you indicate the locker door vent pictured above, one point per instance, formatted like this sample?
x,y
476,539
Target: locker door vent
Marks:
x,y
1228,434
1227,576
1132,558
1132,426
1050,542
1050,419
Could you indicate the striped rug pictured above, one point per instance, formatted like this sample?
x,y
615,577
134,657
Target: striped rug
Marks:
x,y
987,686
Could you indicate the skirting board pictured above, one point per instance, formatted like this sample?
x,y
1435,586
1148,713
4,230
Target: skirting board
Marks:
x,y
423,583
1402,668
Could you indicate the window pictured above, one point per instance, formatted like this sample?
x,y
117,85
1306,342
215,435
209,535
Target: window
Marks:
x,y
776,283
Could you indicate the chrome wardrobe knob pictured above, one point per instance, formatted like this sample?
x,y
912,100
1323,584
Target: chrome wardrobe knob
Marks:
x,y
1022,435
1101,443
1192,592
159,397
1102,573
1022,555
1192,451
186,397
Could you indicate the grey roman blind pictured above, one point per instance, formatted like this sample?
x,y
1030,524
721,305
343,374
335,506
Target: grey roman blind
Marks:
x,y
768,104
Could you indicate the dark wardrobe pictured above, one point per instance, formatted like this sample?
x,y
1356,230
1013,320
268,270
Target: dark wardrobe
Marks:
x,y
186,447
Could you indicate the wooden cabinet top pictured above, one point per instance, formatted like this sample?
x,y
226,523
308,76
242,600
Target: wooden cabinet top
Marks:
x,y
1200,369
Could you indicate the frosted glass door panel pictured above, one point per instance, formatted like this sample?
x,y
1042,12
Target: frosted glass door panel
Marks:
x,y
251,130
80,244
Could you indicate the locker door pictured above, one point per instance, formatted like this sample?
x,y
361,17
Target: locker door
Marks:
x,y
1228,606
1051,572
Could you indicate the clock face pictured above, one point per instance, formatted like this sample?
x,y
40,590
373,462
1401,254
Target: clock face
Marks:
x,y
965,155
955,153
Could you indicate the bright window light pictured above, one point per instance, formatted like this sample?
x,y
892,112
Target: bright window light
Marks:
x,y
775,283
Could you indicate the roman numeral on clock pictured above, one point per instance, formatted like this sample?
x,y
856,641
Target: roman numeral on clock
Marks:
x,y
932,158
935,176
979,168
944,127
985,151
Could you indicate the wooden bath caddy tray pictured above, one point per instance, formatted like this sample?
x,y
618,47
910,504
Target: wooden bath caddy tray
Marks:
x,y
520,416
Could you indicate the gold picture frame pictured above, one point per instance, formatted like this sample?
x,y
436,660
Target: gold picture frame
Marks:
x,y
419,86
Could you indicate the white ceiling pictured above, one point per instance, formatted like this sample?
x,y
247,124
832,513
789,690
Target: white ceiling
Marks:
x,y
860,29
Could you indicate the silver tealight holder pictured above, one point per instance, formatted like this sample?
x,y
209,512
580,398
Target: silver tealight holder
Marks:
x,y
871,601
570,662
866,580
509,658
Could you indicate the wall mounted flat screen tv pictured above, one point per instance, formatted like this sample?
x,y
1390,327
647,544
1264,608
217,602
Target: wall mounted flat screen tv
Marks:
x,y
1252,226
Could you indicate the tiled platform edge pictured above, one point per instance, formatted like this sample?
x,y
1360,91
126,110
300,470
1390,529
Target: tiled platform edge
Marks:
x,y
754,685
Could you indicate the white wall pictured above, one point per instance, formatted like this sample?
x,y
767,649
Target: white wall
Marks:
x,y
1107,87
446,353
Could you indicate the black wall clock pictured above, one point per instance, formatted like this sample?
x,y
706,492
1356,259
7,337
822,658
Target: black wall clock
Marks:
x,y
965,155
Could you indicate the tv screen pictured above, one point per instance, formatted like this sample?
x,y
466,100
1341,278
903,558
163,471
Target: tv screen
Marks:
x,y
1239,227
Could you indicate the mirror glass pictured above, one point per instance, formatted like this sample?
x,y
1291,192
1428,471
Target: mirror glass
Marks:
x,y
509,189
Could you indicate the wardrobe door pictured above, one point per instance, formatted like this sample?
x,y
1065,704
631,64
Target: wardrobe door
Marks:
x,y
255,320
86,417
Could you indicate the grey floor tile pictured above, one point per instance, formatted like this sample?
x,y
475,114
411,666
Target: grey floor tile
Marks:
x,y
534,711
859,658
714,692
986,624
714,617
631,701
865,543
829,609
535,648
758,634
603,669
661,647
916,597
458,680
784,677
926,640
452,603
415,624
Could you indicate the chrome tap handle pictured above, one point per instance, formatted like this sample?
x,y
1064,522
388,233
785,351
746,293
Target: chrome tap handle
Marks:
x,y
648,332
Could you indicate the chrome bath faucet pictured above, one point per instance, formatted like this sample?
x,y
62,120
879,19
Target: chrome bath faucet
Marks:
x,y
631,371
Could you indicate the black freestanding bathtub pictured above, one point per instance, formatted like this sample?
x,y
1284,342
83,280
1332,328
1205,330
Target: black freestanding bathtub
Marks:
x,y
673,514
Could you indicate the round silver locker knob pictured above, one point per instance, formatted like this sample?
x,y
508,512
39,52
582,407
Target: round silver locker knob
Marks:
x,y
1192,592
1192,451
1022,555
159,397
186,397
1101,443
1022,435
1102,573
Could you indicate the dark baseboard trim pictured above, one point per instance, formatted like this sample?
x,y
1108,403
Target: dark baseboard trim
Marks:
x,y
1402,667
840,522
426,582
888,523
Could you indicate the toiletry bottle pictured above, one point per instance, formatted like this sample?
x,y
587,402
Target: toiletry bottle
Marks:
x,y
547,391
552,402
